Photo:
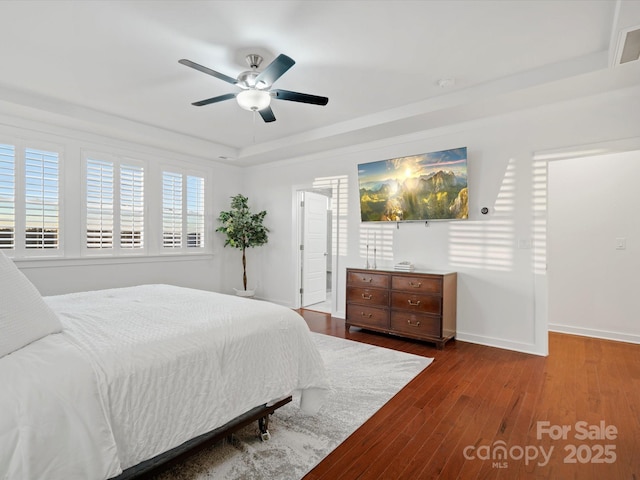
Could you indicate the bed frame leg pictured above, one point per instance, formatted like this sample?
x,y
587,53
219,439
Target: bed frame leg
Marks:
x,y
263,426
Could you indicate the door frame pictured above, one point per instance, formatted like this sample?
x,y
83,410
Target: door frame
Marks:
x,y
542,293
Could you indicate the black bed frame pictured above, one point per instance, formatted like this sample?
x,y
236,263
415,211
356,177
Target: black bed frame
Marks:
x,y
165,460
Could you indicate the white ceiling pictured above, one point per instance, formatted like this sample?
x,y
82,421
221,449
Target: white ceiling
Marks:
x,y
111,67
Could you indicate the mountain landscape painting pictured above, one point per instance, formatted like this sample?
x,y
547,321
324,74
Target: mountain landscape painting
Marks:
x,y
428,186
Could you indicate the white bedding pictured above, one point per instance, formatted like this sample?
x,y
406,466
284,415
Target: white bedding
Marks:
x,y
172,363
52,421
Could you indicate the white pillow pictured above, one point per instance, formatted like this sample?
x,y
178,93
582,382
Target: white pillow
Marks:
x,y
24,316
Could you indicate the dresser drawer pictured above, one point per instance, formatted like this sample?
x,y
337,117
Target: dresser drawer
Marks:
x,y
415,324
367,316
417,284
368,296
366,279
416,303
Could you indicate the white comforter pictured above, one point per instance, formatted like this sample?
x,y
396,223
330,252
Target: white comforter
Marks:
x,y
170,364
52,421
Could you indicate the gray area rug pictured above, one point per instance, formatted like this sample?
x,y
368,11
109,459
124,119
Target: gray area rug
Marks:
x,y
363,378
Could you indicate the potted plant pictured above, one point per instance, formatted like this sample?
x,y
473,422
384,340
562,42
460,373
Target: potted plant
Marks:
x,y
243,230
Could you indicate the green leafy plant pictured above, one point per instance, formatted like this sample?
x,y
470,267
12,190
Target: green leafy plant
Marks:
x,y
243,229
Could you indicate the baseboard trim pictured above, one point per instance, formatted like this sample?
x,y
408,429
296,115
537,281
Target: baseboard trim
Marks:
x,y
591,332
529,348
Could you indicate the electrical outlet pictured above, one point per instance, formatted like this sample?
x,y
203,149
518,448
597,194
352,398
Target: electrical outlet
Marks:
x,y
621,243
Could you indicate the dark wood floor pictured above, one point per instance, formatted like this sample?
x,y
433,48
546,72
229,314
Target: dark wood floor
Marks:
x,y
451,421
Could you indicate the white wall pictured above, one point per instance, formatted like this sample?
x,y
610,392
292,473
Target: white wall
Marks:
x,y
593,202
501,297
77,272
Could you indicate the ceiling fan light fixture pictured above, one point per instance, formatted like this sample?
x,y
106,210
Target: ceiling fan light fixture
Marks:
x,y
253,100
256,94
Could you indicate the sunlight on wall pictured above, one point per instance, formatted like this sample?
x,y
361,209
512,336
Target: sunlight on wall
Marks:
x,y
339,186
488,244
539,227
378,237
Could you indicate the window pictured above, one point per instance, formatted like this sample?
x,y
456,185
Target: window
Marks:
x,y
114,206
119,203
7,196
131,207
195,212
29,199
171,210
182,211
339,186
41,198
99,204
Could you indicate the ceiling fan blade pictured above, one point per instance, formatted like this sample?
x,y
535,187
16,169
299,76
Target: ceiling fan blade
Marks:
x,y
267,115
220,98
299,97
208,71
275,70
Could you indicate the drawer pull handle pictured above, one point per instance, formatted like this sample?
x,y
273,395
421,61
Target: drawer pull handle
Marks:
x,y
369,280
415,285
414,304
367,297
417,324
368,315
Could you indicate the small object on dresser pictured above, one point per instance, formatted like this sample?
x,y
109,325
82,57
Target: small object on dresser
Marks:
x,y
368,266
404,266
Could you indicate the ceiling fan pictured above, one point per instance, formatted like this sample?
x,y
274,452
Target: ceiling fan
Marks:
x,y
256,92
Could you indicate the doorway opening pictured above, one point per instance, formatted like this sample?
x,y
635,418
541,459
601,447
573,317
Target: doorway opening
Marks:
x,y
315,250
335,193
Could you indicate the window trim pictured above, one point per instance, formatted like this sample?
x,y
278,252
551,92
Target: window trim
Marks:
x,y
20,202
184,249
118,161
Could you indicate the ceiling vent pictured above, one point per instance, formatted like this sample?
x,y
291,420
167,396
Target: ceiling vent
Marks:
x,y
628,46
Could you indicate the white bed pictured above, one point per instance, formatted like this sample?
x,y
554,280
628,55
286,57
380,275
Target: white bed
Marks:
x,y
138,371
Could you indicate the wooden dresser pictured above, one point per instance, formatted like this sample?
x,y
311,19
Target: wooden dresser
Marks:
x,y
418,304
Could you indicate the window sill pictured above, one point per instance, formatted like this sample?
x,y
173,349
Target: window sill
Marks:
x,y
48,262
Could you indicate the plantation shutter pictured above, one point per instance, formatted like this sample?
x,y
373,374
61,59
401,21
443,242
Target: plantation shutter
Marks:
x,y
131,207
339,186
100,196
7,196
41,199
195,212
171,210
183,211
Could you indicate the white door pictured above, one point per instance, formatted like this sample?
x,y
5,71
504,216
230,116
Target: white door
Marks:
x,y
314,249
